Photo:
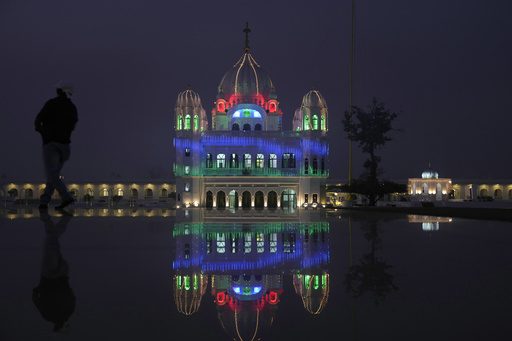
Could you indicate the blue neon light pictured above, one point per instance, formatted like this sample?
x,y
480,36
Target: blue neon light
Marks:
x,y
247,291
247,113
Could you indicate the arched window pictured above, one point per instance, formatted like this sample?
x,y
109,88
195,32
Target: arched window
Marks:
x,y
247,160
233,161
260,161
29,193
209,161
134,193
74,192
180,122
104,192
196,123
163,193
306,166
247,127
119,192
221,107
257,127
148,193
187,122
272,107
306,123
315,122
498,193
322,122
272,161
315,166
484,192
221,160
235,127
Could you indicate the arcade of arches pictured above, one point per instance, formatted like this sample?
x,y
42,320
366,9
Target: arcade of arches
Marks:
x,y
248,199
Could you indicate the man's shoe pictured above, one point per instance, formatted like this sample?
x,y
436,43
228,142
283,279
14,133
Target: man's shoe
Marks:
x,y
65,203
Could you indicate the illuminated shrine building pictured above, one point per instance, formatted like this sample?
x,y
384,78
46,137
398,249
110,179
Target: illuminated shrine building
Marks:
x,y
246,160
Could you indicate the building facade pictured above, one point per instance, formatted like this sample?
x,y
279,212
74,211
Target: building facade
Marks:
x,y
246,160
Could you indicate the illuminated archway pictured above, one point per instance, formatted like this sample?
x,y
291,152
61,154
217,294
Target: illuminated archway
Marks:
x,y
233,199
272,199
246,199
288,199
259,200
221,200
209,199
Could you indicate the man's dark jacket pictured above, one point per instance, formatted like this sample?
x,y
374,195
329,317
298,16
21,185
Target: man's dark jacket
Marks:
x,y
57,120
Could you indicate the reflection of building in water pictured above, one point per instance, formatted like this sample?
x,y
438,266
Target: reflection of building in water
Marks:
x,y
247,261
246,160
429,223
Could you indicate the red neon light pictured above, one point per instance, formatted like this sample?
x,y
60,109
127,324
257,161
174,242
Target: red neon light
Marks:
x,y
221,298
273,297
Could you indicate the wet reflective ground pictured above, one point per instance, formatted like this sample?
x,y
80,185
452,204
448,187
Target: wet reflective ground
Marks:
x,y
386,277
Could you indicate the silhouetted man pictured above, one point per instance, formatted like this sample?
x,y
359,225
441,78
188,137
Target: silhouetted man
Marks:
x,y
55,123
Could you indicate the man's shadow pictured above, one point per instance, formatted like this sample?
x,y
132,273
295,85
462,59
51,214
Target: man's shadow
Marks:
x,y
53,297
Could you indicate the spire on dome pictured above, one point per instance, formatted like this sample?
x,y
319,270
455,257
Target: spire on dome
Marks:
x,y
246,31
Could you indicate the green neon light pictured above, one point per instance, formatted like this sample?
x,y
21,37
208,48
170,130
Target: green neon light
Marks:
x,y
196,282
316,283
315,122
307,281
196,123
187,122
187,283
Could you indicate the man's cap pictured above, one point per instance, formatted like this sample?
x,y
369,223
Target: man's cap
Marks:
x,y
66,87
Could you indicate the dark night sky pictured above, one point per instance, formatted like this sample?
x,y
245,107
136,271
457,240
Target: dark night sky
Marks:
x,y
444,64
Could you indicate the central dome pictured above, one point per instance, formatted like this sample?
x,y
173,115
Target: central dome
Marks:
x,y
246,79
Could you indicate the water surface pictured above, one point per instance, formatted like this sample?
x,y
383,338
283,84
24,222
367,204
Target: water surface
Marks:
x,y
384,277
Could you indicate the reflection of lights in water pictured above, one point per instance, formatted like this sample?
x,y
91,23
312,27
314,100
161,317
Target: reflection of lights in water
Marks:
x,y
430,226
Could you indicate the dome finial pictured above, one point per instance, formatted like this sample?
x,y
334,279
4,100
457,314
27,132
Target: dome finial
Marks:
x,y
246,31
188,87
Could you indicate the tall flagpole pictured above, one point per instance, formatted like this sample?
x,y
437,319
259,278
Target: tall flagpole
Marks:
x,y
351,98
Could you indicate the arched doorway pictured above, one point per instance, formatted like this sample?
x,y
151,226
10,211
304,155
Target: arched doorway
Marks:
x,y
246,199
439,192
272,199
484,193
221,200
259,200
209,199
288,199
233,199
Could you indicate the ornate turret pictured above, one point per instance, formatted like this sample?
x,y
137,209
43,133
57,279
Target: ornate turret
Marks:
x,y
189,113
312,114
188,292
314,290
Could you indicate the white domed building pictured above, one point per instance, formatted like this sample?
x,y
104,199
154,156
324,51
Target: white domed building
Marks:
x,y
246,160
430,187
